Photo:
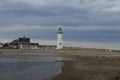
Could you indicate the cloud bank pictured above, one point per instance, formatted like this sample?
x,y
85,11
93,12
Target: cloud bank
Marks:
x,y
81,20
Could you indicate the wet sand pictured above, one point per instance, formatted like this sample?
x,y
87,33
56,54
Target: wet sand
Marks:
x,y
90,69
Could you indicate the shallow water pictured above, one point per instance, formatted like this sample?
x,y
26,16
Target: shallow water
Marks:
x,y
31,68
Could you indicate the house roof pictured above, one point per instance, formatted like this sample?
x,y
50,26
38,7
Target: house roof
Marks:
x,y
34,43
24,39
47,45
12,43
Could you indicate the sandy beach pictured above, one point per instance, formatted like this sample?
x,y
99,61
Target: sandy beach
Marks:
x,y
87,64
90,69
74,53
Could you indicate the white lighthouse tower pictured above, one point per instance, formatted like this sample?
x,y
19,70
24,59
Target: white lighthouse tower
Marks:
x,y
59,39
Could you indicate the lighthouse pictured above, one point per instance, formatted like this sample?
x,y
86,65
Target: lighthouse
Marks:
x,y
59,39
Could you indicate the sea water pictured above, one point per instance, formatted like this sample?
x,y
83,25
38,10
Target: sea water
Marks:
x,y
30,68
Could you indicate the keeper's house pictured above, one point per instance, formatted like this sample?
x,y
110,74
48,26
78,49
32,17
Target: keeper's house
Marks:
x,y
23,43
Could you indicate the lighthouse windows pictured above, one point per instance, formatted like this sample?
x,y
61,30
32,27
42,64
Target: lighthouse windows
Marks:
x,y
59,43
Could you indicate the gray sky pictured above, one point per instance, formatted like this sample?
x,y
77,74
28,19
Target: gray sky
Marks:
x,y
90,21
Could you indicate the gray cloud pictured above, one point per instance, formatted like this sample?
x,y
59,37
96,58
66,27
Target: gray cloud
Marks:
x,y
67,12
82,20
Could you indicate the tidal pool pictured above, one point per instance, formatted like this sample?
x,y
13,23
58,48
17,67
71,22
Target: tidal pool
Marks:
x,y
30,68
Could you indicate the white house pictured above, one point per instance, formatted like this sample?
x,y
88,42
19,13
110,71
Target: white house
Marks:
x,y
34,45
23,43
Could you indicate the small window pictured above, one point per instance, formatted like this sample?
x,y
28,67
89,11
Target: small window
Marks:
x,y
59,43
